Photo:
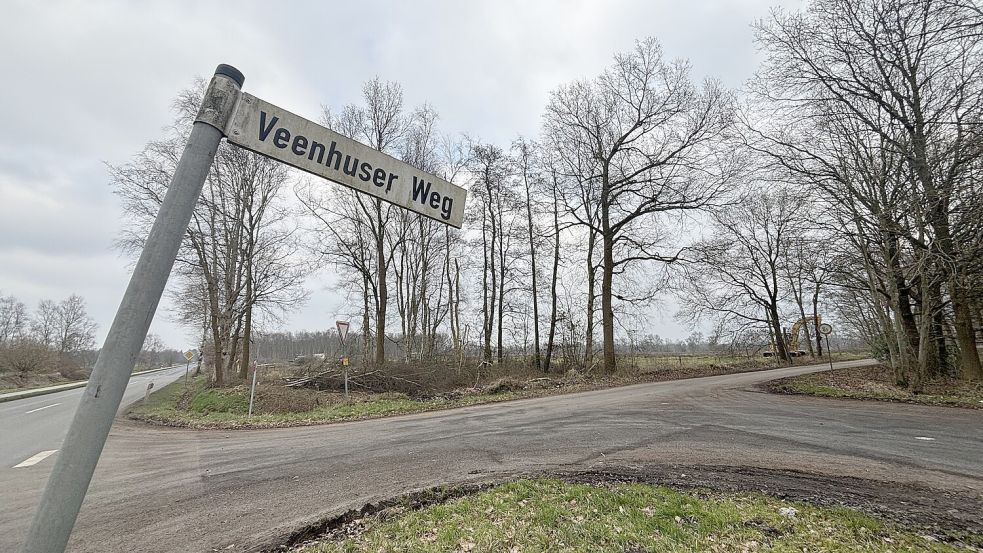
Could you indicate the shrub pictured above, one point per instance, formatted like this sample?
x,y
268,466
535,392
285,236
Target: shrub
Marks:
x,y
217,400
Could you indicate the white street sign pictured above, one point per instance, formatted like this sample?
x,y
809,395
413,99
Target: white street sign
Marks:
x,y
266,129
342,331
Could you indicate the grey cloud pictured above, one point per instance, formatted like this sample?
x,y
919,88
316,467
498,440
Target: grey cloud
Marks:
x,y
92,82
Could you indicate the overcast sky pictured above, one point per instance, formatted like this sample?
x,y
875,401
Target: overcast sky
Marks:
x,y
89,83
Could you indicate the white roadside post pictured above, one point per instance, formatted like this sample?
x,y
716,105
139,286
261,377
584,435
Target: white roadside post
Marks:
x,y
252,392
79,453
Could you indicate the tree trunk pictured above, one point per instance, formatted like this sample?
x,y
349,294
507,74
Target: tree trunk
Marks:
x,y
607,280
366,332
537,360
247,329
380,316
776,327
591,302
815,321
488,293
553,283
965,334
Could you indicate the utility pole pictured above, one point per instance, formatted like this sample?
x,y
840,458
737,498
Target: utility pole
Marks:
x,y
79,454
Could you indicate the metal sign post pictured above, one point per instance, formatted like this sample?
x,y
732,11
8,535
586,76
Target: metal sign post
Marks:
x,y
189,355
826,329
79,453
343,338
252,392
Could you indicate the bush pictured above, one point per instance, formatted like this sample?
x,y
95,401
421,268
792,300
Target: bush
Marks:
x,y
217,400
504,384
27,356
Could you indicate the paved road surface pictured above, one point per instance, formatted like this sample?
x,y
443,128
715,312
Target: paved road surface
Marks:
x,y
160,489
38,424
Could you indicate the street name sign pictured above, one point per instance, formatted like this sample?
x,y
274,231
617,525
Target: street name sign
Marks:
x,y
274,132
259,126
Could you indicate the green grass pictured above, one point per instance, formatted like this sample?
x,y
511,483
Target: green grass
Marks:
x,y
550,515
197,406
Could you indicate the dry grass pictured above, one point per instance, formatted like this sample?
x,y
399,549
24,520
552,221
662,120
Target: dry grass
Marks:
x,y
877,383
400,389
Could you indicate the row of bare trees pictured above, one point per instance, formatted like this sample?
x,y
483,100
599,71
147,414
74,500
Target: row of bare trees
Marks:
x,y
864,130
561,232
841,183
878,107
239,258
55,335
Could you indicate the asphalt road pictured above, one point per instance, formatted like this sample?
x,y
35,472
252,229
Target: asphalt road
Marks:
x,y
38,424
159,489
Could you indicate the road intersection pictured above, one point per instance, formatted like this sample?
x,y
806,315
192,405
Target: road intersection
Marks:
x,y
160,489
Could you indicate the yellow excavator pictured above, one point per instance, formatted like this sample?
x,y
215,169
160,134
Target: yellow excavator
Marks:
x,y
792,338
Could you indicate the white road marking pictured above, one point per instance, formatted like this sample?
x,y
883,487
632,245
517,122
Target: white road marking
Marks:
x,y
925,438
40,408
35,459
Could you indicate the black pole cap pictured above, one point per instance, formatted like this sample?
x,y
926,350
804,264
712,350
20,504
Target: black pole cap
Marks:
x,y
230,72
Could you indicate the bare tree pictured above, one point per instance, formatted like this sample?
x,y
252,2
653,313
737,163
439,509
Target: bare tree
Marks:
x,y
151,351
907,72
735,275
44,323
526,153
652,137
74,329
238,254
13,319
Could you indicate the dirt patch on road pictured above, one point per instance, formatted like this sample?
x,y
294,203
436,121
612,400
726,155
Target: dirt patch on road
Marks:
x,y
946,515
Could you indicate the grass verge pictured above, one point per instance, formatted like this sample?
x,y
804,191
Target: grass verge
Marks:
x,y
876,383
197,406
550,515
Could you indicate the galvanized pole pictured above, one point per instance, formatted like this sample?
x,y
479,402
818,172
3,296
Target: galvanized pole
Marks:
x,y
252,394
79,454
829,352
